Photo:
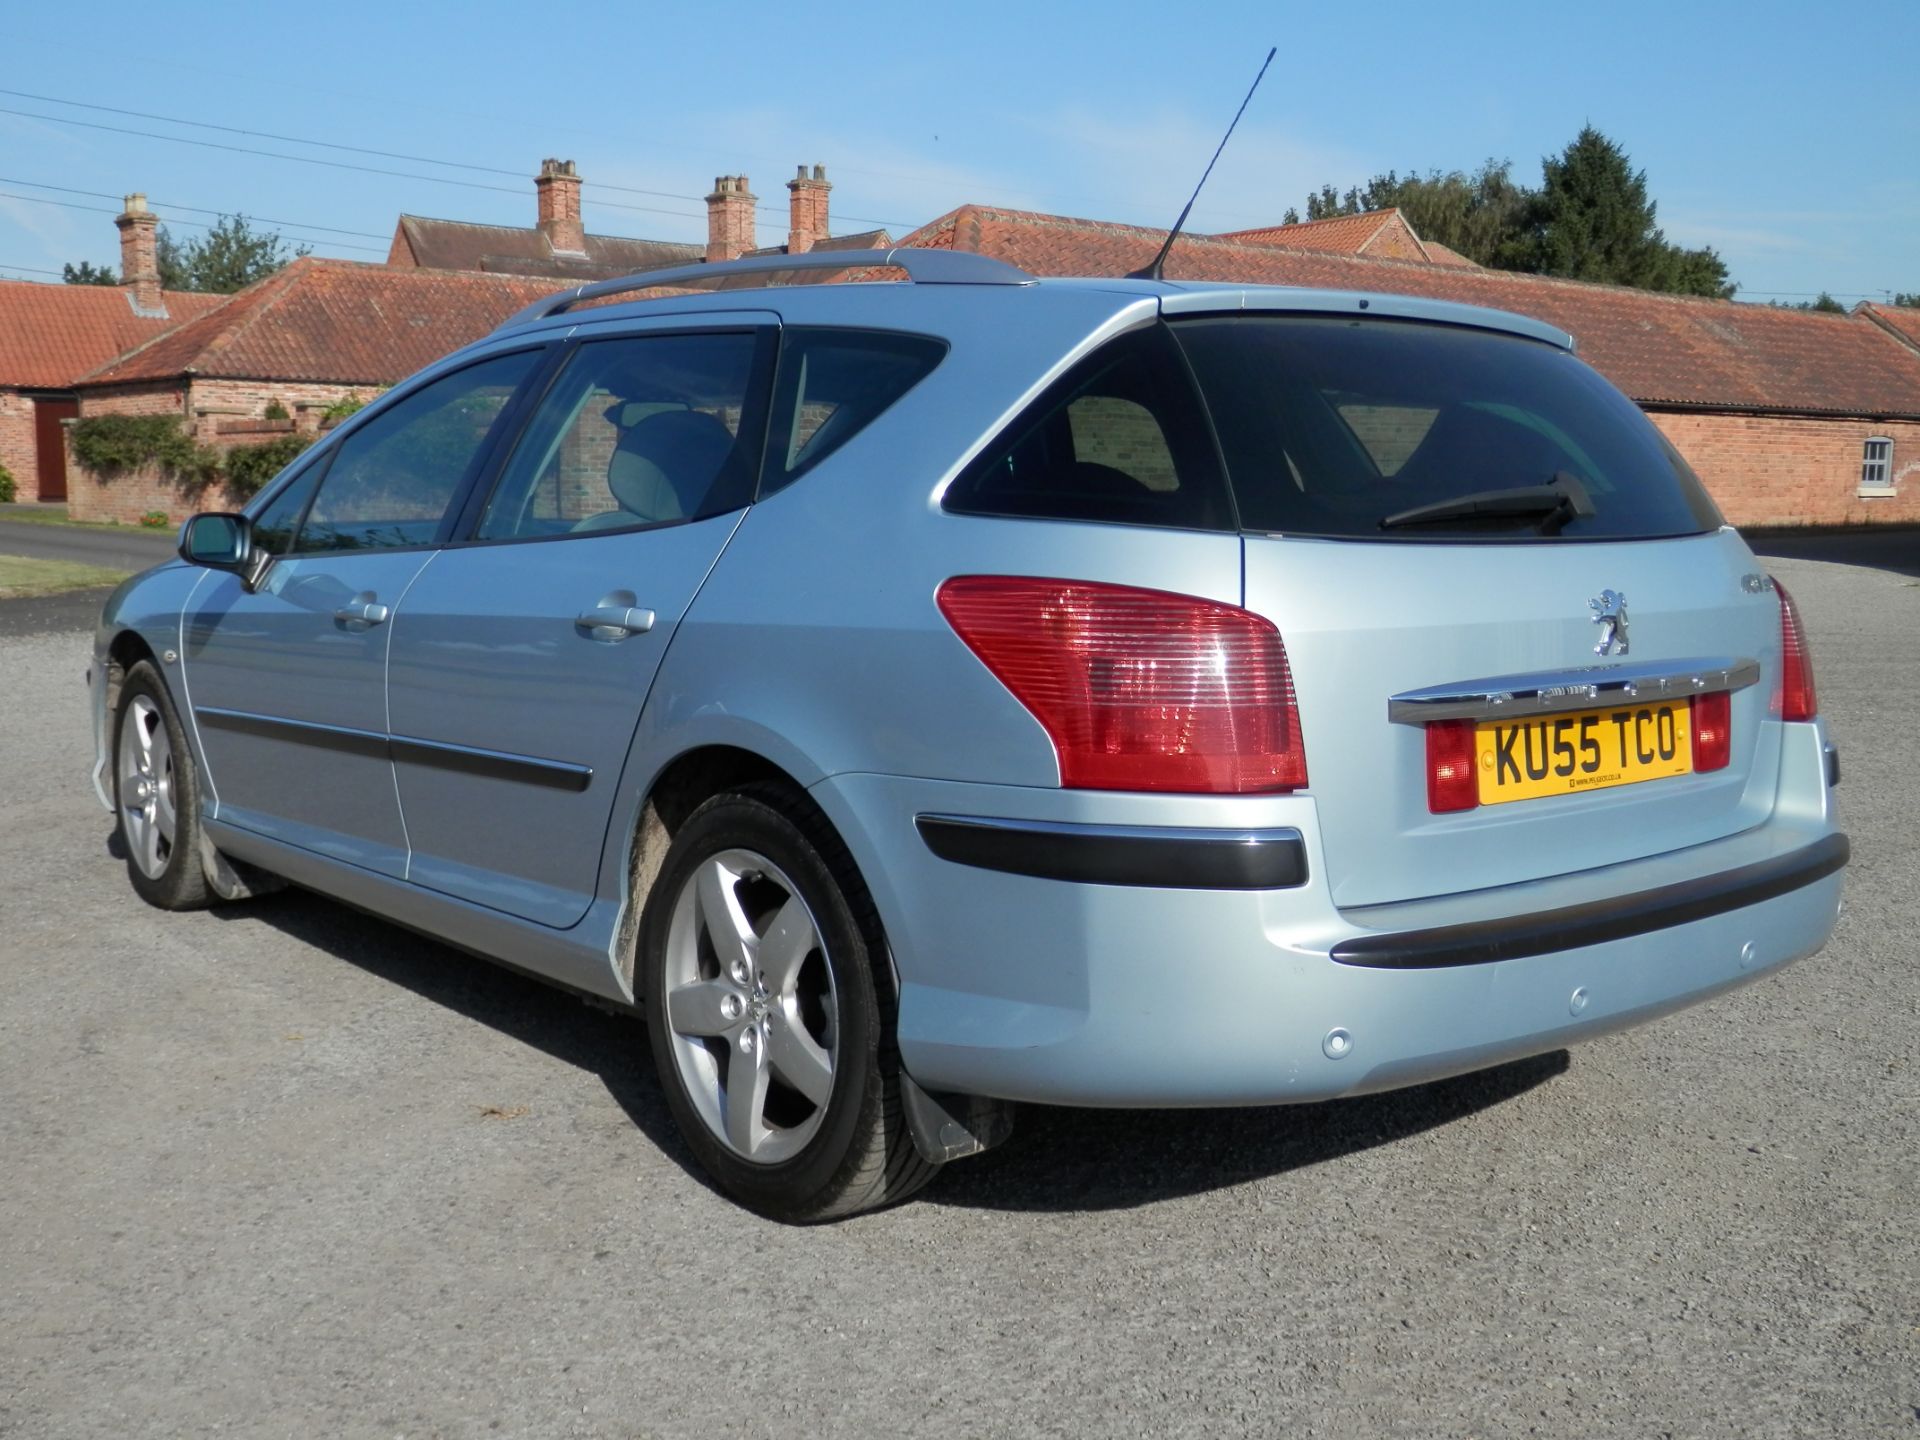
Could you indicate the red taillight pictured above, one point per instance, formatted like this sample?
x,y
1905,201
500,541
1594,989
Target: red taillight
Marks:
x,y
1138,689
1712,731
1794,699
1452,781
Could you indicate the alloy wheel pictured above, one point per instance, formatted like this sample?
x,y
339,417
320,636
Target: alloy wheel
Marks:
x,y
146,787
751,1008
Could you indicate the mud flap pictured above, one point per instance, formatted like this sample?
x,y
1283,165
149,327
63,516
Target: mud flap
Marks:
x,y
949,1127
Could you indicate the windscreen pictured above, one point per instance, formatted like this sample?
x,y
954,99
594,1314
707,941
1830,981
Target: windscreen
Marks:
x,y
1390,429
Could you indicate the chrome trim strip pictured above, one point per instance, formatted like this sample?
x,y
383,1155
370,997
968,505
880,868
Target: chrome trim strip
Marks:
x,y
1551,692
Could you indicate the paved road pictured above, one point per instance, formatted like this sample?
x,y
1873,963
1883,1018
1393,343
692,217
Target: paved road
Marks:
x,y
120,548
283,1170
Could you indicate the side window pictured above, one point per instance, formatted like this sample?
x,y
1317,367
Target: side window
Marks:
x,y
274,526
1876,467
832,385
1121,439
393,479
645,430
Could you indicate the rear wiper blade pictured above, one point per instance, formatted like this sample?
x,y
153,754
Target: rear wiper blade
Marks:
x,y
1552,505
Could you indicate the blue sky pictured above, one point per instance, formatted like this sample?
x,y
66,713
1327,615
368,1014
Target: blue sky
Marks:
x,y
1771,131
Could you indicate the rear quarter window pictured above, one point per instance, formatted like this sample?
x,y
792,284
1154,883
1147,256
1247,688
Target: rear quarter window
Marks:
x,y
831,385
1121,439
1328,426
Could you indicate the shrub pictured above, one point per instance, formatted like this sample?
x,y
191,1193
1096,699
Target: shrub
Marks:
x,y
248,467
111,445
154,520
343,407
277,411
6,486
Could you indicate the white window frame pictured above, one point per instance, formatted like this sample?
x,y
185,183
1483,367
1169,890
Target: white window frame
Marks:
x,y
1876,466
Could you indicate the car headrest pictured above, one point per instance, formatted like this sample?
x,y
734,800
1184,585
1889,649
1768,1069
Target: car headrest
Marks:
x,y
664,466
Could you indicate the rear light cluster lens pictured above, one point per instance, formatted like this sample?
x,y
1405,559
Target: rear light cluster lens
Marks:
x,y
1453,780
1795,699
1139,689
1712,731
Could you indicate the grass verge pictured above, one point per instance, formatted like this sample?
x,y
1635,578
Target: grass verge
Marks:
x,y
20,577
20,515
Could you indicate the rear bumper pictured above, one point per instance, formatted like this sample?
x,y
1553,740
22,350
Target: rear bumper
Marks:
x,y
1031,988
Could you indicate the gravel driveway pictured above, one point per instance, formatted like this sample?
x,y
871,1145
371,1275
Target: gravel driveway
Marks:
x,y
280,1169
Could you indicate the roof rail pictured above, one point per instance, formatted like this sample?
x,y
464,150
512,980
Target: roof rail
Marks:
x,y
923,267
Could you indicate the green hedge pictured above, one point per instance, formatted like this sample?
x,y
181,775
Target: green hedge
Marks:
x,y
248,467
6,486
111,445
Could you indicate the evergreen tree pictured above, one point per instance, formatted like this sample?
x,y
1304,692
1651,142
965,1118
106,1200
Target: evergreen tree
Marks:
x,y
1592,219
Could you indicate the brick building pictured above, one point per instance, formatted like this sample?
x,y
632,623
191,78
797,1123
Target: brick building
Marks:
x,y
1376,234
1791,417
558,247
51,335
306,337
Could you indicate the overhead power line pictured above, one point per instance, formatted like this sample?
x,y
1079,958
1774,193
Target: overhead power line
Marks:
x,y
357,150
195,209
196,224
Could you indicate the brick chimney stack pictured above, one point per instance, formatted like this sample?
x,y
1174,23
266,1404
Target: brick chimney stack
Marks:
x,y
140,258
729,218
807,204
558,186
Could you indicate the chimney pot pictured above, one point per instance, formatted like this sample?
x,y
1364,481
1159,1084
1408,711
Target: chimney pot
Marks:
x,y
140,257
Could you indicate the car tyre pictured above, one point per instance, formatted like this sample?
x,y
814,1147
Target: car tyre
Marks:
x,y
156,792
770,1010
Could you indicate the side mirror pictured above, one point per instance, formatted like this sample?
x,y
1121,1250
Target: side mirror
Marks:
x,y
224,542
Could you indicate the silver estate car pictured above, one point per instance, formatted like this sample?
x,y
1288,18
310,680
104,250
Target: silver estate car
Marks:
x,y
917,698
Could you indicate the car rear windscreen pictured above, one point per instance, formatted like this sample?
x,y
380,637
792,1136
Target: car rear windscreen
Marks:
x,y
1373,428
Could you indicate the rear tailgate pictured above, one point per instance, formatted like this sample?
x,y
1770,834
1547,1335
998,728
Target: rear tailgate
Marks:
x,y
1366,621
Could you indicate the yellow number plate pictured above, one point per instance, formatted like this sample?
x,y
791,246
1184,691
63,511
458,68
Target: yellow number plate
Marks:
x,y
1586,750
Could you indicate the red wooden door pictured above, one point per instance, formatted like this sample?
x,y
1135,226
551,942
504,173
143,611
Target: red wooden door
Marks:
x,y
50,444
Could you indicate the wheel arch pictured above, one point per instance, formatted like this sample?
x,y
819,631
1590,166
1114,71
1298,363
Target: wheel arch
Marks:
x,y
691,777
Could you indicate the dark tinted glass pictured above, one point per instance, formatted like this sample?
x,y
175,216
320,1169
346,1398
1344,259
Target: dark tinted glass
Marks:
x,y
1121,438
1329,426
832,385
642,430
393,479
274,526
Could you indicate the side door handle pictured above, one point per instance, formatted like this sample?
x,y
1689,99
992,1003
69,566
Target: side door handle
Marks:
x,y
615,618
362,612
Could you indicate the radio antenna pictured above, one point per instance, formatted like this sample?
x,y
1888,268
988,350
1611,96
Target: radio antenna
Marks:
x,y
1152,272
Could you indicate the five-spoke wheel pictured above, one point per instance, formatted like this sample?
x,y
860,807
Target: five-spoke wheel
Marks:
x,y
157,795
771,1013
752,1006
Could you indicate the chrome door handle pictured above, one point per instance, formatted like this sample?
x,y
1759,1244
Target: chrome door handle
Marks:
x,y
614,622
362,612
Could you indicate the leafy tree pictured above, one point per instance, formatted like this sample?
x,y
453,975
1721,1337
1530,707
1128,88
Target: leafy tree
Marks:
x,y
1902,298
1823,302
1474,214
230,256
87,273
